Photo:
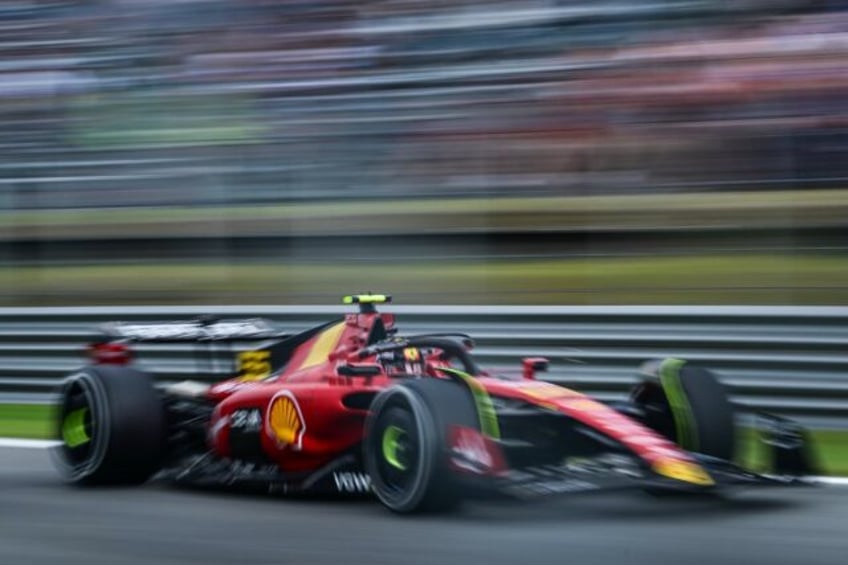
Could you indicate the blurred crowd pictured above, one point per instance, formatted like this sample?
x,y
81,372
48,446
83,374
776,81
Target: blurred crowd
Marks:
x,y
165,102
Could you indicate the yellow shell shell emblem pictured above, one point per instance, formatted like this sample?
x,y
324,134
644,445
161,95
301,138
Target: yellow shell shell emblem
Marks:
x,y
286,421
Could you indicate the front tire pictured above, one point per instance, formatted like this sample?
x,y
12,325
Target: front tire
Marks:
x,y
690,406
112,427
405,451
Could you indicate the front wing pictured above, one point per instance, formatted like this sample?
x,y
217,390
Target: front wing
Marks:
x,y
788,455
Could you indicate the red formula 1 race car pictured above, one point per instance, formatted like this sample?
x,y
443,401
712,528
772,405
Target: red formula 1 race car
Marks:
x,y
353,406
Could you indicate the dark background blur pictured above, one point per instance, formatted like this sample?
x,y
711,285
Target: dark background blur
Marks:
x,y
211,151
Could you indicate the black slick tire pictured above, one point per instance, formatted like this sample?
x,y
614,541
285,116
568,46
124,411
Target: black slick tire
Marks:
x,y
690,406
422,411
112,427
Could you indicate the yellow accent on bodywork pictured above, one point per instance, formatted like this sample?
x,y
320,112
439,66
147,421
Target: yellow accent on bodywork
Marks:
x,y
685,471
365,299
254,365
412,354
546,391
323,345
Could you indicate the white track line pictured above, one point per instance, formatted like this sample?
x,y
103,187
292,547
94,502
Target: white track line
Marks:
x,y
27,443
44,444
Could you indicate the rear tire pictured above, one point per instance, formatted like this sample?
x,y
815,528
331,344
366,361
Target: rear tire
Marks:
x,y
405,446
111,422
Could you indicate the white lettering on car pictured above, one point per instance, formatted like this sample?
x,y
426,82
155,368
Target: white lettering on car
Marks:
x,y
352,482
177,330
246,420
469,451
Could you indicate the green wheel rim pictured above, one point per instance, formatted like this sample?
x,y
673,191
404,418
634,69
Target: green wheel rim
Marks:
x,y
391,444
73,428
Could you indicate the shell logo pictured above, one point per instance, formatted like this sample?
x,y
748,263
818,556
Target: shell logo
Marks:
x,y
285,420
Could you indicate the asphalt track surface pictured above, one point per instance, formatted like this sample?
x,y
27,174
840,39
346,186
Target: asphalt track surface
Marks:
x,y
43,521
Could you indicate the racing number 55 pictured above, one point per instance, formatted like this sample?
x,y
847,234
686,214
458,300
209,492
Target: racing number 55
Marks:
x,y
254,365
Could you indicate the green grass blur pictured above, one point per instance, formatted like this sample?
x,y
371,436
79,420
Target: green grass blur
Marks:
x,y
786,209
30,421
767,279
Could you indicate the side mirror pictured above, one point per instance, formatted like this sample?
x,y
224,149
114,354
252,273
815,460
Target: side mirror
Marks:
x,y
533,365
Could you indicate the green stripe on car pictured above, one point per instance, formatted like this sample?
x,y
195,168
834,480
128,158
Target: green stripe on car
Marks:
x,y
684,419
483,402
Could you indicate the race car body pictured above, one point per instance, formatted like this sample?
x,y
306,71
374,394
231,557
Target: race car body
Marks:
x,y
353,407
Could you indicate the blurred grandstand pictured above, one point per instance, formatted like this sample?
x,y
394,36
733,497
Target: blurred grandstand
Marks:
x,y
213,102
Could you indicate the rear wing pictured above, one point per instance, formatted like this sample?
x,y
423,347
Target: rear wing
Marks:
x,y
248,349
262,347
199,330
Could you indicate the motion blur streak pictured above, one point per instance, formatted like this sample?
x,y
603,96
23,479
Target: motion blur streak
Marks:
x,y
239,135
44,521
